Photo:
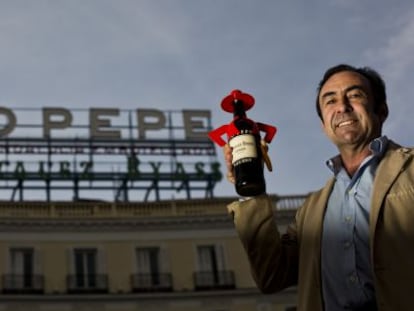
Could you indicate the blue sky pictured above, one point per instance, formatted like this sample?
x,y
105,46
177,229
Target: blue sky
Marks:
x,y
182,54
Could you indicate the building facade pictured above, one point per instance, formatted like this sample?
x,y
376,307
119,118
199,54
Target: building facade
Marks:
x,y
179,255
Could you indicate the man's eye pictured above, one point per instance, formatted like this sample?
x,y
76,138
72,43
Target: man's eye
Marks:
x,y
355,95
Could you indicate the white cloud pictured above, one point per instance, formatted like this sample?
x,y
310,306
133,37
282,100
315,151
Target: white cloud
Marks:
x,y
397,53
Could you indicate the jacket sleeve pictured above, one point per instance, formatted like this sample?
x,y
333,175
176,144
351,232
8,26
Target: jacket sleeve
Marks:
x,y
273,257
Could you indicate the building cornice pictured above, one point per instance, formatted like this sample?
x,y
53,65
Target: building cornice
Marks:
x,y
134,216
114,224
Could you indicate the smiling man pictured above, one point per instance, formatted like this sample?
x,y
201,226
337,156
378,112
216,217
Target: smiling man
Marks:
x,y
351,115
352,244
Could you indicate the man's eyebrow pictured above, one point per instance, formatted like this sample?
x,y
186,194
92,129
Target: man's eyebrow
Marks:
x,y
327,94
355,87
348,89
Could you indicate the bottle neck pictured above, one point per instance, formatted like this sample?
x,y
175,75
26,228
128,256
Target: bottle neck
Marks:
x,y
239,110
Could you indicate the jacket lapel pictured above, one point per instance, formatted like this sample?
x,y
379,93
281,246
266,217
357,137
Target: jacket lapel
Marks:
x,y
319,215
388,170
315,220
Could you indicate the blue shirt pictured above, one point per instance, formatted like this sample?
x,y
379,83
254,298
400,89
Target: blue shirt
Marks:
x,y
347,280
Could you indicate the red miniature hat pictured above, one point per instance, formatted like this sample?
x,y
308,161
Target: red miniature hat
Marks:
x,y
246,99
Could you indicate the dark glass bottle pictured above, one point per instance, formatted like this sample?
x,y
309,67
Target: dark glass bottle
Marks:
x,y
247,155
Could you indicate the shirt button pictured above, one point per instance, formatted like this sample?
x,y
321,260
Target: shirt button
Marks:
x,y
353,278
348,219
347,244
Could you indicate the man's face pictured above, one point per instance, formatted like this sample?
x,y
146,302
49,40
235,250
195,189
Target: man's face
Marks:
x,y
347,107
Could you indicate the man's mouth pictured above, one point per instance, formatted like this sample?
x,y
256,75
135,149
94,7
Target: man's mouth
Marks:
x,y
345,123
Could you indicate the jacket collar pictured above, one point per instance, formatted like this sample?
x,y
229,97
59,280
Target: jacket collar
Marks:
x,y
377,148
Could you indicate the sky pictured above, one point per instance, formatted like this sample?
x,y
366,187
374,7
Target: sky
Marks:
x,y
189,54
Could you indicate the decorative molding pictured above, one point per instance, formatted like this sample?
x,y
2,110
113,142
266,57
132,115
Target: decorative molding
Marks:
x,y
122,217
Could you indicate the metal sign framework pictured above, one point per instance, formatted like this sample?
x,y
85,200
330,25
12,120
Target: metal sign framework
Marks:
x,y
125,169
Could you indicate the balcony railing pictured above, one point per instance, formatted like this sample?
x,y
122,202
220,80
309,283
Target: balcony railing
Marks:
x,y
147,282
87,283
171,208
23,284
214,280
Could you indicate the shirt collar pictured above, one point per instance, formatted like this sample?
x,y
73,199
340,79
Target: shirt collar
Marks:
x,y
377,147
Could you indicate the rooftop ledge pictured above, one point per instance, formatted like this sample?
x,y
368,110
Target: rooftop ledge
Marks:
x,y
167,208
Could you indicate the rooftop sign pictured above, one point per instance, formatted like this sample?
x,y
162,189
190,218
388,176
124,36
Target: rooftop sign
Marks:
x,y
87,150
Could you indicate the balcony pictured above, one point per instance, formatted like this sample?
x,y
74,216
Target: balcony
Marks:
x,y
87,283
214,280
147,282
22,284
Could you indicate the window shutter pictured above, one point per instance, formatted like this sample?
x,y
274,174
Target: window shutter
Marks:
x,y
219,249
37,261
101,260
164,260
70,260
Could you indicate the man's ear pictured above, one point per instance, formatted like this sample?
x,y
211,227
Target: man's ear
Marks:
x,y
383,112
322,126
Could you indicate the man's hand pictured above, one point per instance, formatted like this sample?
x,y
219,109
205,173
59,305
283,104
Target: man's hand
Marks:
x,y
265,148
228,159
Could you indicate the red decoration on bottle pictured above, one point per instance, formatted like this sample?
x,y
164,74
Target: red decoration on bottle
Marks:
x,y
229,129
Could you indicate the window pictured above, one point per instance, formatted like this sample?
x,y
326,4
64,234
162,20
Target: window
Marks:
x,y
210,259
86,268
21,276
151,270
211,268
21,267
148,263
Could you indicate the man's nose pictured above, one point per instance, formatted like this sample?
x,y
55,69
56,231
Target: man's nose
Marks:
x,y
344,105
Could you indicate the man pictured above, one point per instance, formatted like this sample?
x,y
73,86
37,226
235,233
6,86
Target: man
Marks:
x,y
351,246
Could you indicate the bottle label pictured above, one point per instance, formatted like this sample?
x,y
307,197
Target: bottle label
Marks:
x,y
244,148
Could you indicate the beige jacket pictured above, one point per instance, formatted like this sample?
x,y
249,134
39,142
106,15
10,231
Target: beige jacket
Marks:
x,y
279,261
